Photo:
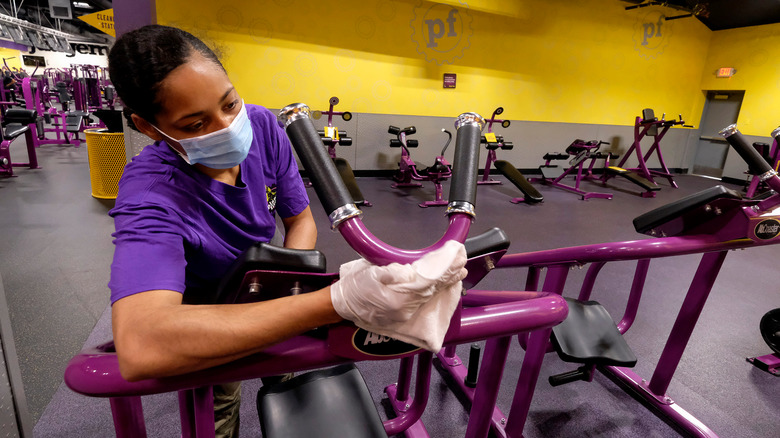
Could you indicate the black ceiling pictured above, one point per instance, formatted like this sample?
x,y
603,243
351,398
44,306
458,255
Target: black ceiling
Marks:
x,y
720,14
37,12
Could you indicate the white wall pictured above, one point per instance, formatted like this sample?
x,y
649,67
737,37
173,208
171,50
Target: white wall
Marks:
x,y
92,54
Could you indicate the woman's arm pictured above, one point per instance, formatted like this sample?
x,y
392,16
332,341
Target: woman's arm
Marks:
x,y
157,336
300,230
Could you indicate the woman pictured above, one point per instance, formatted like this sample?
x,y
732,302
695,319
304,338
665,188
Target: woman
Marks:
x,y
207,189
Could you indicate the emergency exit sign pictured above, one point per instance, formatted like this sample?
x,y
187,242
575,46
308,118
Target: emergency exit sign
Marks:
x,y
726,72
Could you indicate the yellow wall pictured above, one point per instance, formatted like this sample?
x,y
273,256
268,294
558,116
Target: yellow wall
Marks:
x,y
753,51
15,58
542,60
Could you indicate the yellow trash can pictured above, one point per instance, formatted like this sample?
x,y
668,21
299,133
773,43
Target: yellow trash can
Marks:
x,y
106,152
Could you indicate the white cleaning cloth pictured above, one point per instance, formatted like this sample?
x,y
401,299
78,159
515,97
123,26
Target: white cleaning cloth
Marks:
x,y
412,303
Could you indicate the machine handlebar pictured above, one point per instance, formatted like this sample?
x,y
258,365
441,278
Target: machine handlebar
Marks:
x,y
493,119
340,207
307,142
755,161
463,188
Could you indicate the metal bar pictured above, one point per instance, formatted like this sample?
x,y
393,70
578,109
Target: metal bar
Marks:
x,y
128,415
203,401
626,250
413,411
486,393
635,295
458,371
405,378
686,320
13,20
664,408
526,383
9,365
590,279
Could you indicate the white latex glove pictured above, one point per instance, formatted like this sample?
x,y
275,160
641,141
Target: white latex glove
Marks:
x,y
383,298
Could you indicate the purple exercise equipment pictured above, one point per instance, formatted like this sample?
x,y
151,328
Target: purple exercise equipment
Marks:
x,y
409,171
490,316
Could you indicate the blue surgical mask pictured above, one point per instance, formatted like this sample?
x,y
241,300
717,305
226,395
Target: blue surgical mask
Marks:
x,y
221,149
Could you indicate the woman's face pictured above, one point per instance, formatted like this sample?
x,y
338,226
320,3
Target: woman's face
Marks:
x,y
197,98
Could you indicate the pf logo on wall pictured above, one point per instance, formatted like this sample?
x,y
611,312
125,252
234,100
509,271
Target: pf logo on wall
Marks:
x,y
442,32
652,34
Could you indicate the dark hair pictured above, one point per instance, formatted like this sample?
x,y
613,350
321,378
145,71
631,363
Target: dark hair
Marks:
x,y
141,59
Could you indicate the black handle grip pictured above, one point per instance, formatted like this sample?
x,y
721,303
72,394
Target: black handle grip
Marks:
x,y
473,369
465,164
571,376
757,165
320,168
393,130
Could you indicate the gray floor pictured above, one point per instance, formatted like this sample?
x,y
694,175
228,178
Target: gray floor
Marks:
x,y
56,252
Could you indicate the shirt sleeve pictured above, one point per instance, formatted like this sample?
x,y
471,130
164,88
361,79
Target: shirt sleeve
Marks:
x,y
149,251
291,198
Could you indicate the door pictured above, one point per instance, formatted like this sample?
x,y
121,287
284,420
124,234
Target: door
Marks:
x,y
720,110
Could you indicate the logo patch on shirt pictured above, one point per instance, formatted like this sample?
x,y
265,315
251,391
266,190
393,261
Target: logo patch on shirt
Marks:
x,y
270,197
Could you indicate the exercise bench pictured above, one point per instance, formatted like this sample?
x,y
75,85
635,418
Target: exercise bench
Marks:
x,y
16,122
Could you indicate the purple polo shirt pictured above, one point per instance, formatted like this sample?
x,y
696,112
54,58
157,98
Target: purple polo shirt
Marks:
x,y
178,229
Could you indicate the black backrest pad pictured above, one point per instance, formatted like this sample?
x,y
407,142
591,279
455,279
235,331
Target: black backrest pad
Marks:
x,y
329,403
20,115
492,240
267,257
649,116
654,218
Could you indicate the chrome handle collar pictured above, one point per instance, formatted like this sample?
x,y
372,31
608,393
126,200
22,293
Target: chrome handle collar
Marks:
x,y
470,119
343,213
293,112
461,207
728,131
767,175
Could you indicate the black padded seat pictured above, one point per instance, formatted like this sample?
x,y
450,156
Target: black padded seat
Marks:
x,y
578,146
14,130
329,403
655,218
588,335
438,167
16,122
73,121
555,156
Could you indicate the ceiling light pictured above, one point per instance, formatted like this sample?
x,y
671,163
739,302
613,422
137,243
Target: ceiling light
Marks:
x,y
82,5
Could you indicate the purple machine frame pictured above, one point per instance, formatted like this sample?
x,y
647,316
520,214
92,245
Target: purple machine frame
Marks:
x,y
408,172
332,137
642,126
492,316
34,99
711,230
774,157
586,152
491,155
